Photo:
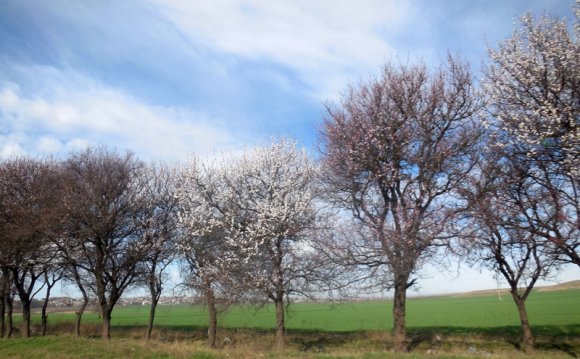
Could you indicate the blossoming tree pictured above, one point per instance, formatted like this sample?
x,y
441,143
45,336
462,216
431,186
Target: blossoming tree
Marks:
x,y
396,149
533,82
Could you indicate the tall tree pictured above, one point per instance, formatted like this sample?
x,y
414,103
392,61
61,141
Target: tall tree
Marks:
x,y
533,81
395,150
105,200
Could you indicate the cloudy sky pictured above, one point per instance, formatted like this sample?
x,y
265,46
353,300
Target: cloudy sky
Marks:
x,y
169,78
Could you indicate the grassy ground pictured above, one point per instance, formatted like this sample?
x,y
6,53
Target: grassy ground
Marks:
x,y
446,327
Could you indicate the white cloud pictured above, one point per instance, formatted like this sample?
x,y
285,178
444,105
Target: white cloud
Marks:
x,y
91,113
325,42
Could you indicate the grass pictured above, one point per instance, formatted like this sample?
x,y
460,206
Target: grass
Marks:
x,y
447,327
546,309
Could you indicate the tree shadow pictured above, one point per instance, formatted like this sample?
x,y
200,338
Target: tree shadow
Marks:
x,y
548,337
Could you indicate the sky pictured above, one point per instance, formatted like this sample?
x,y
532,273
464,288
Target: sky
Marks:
x,y
167,79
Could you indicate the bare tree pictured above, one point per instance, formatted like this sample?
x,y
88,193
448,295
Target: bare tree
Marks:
x,y
105,200
533,81
27,208
396,149
496,238
159,232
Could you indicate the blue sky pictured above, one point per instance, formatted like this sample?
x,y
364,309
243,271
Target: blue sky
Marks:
x,y
169,78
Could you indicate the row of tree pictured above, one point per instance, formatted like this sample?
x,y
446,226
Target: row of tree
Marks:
x,y
415,162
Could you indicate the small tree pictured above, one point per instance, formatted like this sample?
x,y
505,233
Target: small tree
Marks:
x,y
28,218
396,150
533,82
159,231
206,212
496,237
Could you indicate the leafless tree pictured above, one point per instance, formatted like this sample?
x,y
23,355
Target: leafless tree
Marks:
x,y
395,150
500,195
104,201
27,208
533,81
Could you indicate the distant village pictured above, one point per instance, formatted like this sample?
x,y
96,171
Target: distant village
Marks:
x,y
72,303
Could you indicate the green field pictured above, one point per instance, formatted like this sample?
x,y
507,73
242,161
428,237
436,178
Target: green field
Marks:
x,y
470,326
546,309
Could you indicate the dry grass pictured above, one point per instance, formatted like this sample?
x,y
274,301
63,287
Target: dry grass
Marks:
x,y
246,344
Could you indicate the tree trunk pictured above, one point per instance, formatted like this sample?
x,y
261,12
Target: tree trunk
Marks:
x,y
43,315
151,318
212,312
528,338
79,314
2,315
399,313
44,323
106,329
280,326
9,311
25,319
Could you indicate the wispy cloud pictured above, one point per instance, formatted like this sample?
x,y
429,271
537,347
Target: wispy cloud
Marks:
x,y
92,113
324,42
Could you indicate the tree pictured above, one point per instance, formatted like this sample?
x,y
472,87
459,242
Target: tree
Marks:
x,y
105,200
159,232
533,82
496,238
396,149
28,219
206,212
273,188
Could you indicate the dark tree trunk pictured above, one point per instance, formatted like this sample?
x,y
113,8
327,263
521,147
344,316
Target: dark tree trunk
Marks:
x,y
43,314
527,336
2,315
106,329
212,312
399,313
79,313
79,316
9,311
44,322
25,318
151,318
155,292
280,325
4,292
